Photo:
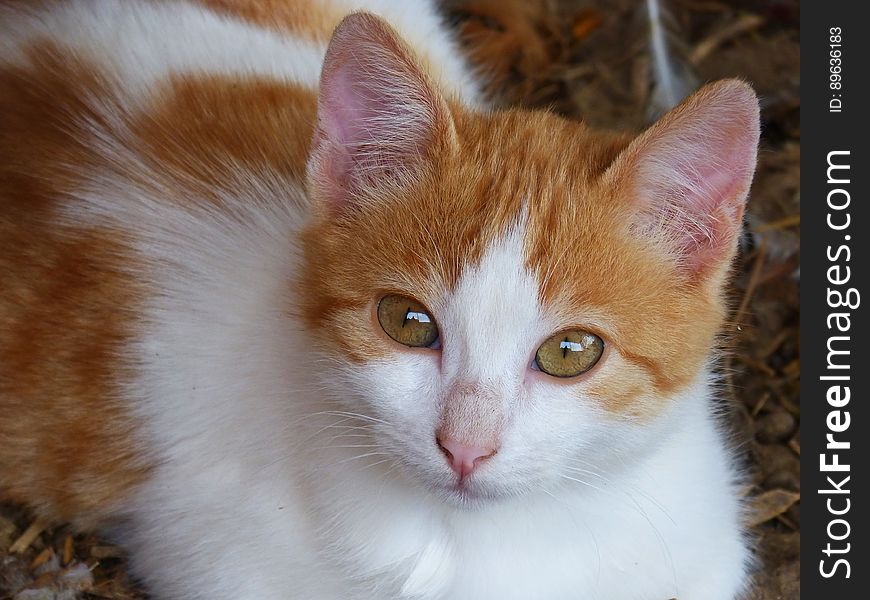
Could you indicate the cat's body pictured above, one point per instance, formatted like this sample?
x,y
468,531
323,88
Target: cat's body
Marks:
x,y
189,350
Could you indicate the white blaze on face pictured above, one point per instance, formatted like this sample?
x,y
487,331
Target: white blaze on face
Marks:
x,y
490,326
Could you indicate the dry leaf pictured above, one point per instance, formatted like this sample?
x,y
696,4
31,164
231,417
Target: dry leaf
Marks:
x,y
770,505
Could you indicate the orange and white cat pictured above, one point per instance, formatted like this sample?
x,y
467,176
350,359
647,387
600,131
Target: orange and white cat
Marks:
x,y
296,317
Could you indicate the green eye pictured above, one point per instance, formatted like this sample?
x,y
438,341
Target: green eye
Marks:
x,y
407,321
569,353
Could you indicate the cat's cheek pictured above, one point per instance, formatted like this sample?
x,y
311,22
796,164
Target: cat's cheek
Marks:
x,y
625,388
400,389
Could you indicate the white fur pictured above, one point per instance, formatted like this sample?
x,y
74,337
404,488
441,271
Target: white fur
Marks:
x,y
285,474
142,43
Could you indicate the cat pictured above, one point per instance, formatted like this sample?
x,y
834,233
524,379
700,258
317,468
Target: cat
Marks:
x,y
292,314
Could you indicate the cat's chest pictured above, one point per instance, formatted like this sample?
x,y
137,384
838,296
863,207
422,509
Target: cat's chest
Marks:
x,y
546,552
560,552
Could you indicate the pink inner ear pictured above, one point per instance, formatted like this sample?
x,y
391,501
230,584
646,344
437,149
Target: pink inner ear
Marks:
x,y
692,171
377,113
338,129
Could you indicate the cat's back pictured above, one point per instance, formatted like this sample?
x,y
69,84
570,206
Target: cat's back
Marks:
x,y
125,125
170,94
140,43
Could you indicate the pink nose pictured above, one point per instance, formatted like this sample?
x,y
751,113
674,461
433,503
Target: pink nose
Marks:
x,y
463,458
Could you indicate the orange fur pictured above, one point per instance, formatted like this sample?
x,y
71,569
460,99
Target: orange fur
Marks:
x,y
203,124
311,20
69,304
597,271
577,244
66,309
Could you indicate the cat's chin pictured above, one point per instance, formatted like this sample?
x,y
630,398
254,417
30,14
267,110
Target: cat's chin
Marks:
x,y
470,496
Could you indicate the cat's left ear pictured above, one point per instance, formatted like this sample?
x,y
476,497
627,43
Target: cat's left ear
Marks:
x,y
688,176
379,117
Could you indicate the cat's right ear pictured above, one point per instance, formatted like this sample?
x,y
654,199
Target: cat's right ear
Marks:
x,y
379,117
689,174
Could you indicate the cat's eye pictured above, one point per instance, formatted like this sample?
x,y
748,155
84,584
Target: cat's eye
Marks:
x,y
407,321
569,353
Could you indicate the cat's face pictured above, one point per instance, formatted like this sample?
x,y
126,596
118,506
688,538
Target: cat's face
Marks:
x,y
511,299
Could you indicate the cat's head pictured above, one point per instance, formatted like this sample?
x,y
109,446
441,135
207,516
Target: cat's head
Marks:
x,y
510,297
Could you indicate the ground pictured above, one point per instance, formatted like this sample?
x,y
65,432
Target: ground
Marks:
x,y
589,59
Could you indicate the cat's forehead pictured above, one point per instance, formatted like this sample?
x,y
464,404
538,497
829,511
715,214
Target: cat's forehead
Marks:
x,y
494,312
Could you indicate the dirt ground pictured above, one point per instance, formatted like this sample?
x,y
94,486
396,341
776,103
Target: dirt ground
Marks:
x,y
589,59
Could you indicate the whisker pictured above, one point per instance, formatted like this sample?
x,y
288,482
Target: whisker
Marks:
x,y
587,472
346,446
594,487
358,456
